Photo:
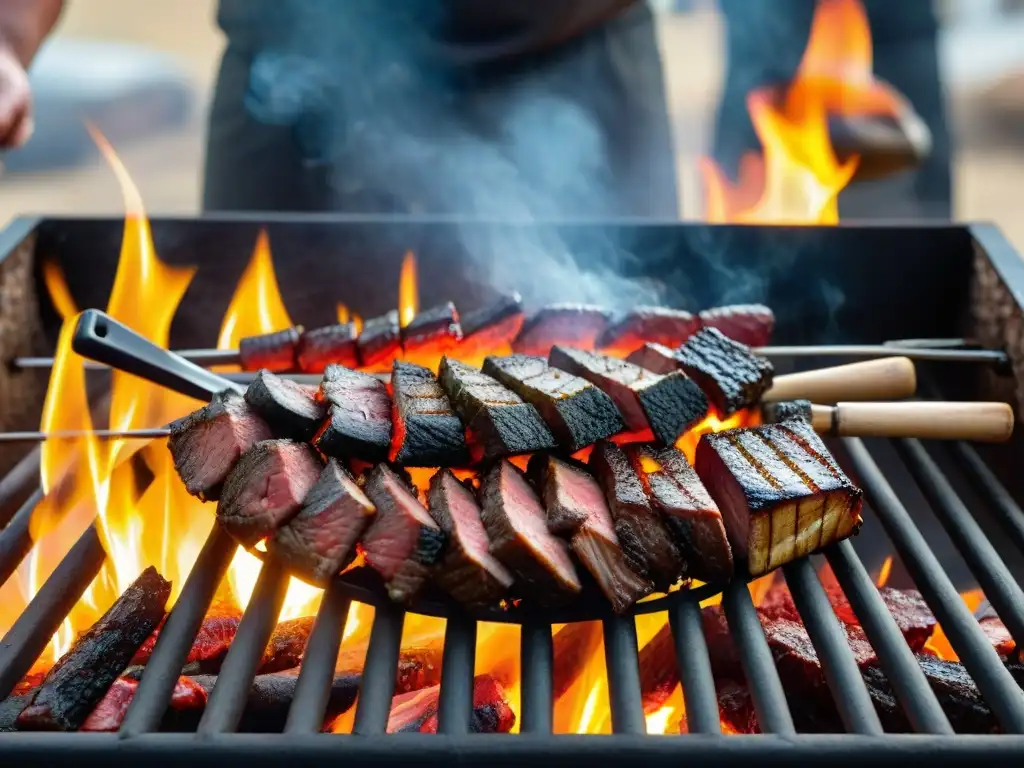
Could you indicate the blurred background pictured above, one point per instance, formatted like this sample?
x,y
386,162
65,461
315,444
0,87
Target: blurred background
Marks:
x,y
143,72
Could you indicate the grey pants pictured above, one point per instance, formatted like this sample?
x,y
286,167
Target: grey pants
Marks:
x,y
579,131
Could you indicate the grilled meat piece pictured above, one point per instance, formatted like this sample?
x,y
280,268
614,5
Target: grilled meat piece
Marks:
x,y
416,712
517,529
656,358
380,340
552,478
80,678
730,374
359,415
576,325
286,645
109,713
273,351
266,489
321,539
690,515
436,329
645,541
577,412
494,326
667,405
468,572
750,324
657,325
211,642
786,409
498,422
332,345
291,409
403,541
206,444
425,432
781,493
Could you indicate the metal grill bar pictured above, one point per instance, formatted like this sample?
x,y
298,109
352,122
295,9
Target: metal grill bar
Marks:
x,y
161,672
537,664
228,699
897,660
699,695
18,484
316,674
15,539
965,634
998,498
378,686
837,661
30,634
623,665
456,705
769,698
995,578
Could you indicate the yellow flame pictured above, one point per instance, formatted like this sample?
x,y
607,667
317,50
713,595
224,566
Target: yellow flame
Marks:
x,y
256,306
883,573
343,314
57,288
408,291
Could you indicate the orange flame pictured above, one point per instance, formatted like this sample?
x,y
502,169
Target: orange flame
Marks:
x,y
256,306
408,291
343,314
884,572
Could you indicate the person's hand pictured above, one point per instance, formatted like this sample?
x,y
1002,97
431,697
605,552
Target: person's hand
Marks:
x,y
16,124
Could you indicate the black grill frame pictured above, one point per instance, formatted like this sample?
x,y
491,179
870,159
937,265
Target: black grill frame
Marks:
x,y
215,742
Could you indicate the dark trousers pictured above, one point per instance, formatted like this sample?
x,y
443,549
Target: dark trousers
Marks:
x,y
582,130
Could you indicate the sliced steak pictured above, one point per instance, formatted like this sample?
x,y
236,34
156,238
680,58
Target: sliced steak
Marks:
x,y
321,539
656,358
425,431
578,413
332,345
291,409
658,325
380,340
468,572
667,405
266,489
750,324
403,541
645,540
576,325
498,422
206,444
553,478
273,351
687,510
517,529
494,326
359,415
730,374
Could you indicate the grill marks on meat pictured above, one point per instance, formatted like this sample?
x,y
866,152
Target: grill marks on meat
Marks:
x,y
380,340
657,325
780,492
81,677
273,351
576,325
730,374
359,415
667,405
436,329
645,541
750,324
468,572
266,489
332,345
417,712
689,513
425,431
403,541
577,412
321,539
498,422
516,526
206,444
493,326
291,409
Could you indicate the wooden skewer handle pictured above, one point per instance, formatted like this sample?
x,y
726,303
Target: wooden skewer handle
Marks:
x,y
889,378
982,422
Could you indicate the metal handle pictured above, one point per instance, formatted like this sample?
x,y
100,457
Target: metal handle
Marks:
x,y
101,338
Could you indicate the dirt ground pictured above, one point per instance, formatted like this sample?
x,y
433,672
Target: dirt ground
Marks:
x,y
167,167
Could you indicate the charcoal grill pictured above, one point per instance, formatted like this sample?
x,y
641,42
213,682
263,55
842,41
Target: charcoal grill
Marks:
x,y
828,285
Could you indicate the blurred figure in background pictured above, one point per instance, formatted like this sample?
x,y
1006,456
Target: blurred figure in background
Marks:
x,y
24,24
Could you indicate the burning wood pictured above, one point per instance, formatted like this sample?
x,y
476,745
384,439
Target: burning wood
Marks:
x,y
417,712
187,695
266,489
436,329
286,645
274,351
332,345
321,539
425,430
381,340
750,324
576,325
994,629
643,325
730,374
211,642
468,572
79,679
577,412
359,420
667,405
207,443
291,409
493,326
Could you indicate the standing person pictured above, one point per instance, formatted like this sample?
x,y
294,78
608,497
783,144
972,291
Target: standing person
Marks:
x,y
24,24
